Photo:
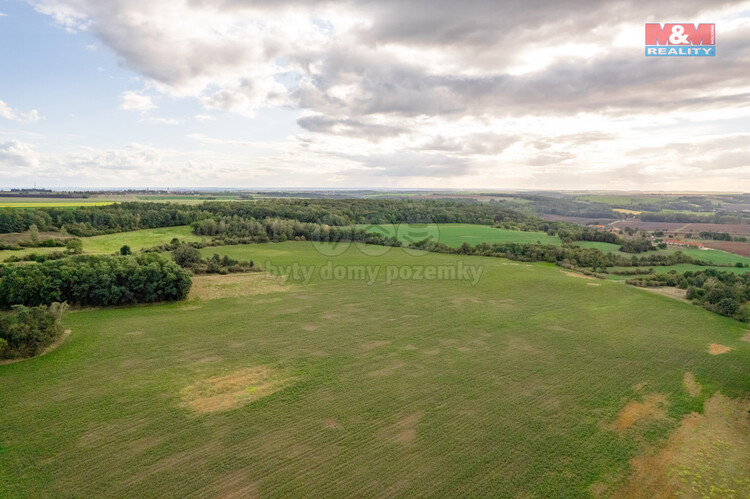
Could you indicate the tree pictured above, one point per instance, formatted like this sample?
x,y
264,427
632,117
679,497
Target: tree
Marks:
x,y
125,250
185,255
74,246
34,234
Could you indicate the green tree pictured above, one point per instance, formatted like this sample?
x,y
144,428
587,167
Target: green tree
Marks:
x,y
185,255
125,250
34,234
74,246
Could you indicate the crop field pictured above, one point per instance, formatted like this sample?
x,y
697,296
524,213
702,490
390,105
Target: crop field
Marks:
x,y
8,202
111,243
624,200
530,382
456,234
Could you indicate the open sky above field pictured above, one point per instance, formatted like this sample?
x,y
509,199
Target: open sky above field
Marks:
x,y
434,94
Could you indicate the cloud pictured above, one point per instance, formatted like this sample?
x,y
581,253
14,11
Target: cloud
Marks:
x,y
132,101
164,121
16,154
506,92
10,114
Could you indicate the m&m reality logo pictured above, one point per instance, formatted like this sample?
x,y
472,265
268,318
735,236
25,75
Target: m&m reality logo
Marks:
x,y
680,39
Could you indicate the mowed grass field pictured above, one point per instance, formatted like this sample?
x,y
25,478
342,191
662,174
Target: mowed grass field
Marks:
x,y
110,243
530,383
457,234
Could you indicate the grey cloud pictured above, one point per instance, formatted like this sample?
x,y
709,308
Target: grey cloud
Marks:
x,y
348,126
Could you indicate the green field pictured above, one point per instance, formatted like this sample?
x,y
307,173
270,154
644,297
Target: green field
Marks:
x,y
111,243
456,234
710,255
7,202
518,386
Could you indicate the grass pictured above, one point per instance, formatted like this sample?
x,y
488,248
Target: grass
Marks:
x,y
420,387
54,203
714,256
110,243
456,234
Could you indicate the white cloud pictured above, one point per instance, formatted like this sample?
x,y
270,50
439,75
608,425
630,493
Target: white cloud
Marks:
x,y
15,154
10,114
164,121
435,92
132,101
3,14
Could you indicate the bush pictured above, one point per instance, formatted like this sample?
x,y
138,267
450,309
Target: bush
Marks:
x,y
28,330
186,256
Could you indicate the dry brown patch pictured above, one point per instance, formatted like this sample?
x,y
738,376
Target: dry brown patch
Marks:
x,y
593,284
746,337
209,287
223,393
434,351
639,386
387,371
706,456
670,292
463,349
653,407
52,346
371,345
716,349
330,424
404,431
691,385
135,333
582,276
309,327
410,347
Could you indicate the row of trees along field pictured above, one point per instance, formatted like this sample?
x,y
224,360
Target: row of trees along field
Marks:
x,y
725,293
94,281
120,217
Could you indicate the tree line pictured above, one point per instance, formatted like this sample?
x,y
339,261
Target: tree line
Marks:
x,y
724,293
94,281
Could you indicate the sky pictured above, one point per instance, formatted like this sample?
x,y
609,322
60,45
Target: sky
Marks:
x,y
432,94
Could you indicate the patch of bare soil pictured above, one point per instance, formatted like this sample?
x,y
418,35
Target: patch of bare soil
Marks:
x,y
52,346
330,424
593,284
223,393
676,293
371,345
707,456
209,287
309,327
691,385
653,407
581,276
638,387
387,371
135,333
410,347
746,337
404,431
716,349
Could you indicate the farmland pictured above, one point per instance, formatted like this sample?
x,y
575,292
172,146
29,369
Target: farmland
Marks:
x,y
111,243
520,385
